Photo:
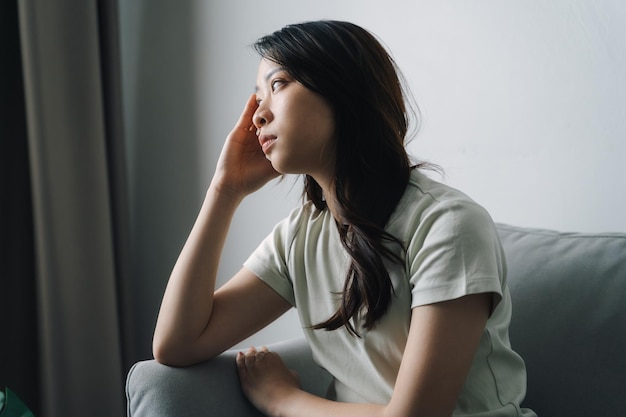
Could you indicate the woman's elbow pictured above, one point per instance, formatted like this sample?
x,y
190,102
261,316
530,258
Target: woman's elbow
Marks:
x,y
178,354
170,354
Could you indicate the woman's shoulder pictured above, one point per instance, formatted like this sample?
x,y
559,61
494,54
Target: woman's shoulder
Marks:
x,y
303,215
427,201
424,194
437,191
303,220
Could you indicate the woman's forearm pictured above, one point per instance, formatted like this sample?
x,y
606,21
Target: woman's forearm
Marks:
x,y
188,300
303,404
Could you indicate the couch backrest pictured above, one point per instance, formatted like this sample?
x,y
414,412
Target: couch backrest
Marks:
x,y
569,319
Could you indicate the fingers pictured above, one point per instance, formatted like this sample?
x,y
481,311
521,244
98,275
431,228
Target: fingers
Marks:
x,y
253,352
260,354
245,121
251,356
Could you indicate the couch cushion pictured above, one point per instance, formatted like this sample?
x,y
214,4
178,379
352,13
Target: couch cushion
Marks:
x,y
211,388
569,318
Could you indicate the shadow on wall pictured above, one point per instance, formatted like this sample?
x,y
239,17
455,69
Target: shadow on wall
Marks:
x,y
161,131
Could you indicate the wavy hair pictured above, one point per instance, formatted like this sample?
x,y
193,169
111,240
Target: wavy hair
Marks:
x,y
350,68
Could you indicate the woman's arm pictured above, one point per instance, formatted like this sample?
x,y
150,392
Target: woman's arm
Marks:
x,y
193,323
442,341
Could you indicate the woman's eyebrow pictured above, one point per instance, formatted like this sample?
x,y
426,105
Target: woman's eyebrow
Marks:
x,y
269,75
272,72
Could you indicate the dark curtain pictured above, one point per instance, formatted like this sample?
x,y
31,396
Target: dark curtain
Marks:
x,y
110,58
19,362
66,340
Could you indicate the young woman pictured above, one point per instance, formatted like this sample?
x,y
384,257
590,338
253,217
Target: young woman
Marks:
x,y
399,281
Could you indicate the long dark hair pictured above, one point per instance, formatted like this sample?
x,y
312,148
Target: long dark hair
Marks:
x,y
347,66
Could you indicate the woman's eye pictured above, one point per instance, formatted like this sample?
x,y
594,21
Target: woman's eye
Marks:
x,y
276,84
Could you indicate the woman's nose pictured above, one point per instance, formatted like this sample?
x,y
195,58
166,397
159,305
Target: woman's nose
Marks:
x,y
261,117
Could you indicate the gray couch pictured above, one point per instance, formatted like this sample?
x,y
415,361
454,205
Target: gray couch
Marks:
x,y
569,324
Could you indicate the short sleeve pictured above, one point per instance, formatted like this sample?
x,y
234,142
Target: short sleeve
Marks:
x,y
269,259
455,252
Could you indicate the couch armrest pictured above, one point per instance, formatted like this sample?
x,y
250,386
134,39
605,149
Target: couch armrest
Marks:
x,y
211,388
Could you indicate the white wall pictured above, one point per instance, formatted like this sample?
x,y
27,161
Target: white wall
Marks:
x,y
523,103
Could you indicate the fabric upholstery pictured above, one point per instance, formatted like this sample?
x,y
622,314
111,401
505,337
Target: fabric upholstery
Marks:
x,y
211,389
569,319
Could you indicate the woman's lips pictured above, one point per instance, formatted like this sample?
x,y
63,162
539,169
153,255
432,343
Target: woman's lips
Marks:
x,y
266,142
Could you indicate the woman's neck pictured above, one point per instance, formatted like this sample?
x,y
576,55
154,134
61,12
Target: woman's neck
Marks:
x,y
333,206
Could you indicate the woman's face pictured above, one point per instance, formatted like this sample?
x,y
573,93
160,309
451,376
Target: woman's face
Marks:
x,y
296,126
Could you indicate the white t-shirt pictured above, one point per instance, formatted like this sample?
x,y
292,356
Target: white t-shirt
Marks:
x,y
452,250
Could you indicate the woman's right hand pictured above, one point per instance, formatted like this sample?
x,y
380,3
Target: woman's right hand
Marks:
x,y
242,167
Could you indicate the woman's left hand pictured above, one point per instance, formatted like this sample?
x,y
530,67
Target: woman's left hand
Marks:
x,y
265,379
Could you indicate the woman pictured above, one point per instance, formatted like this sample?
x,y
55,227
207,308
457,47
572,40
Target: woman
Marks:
x,y
399,281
